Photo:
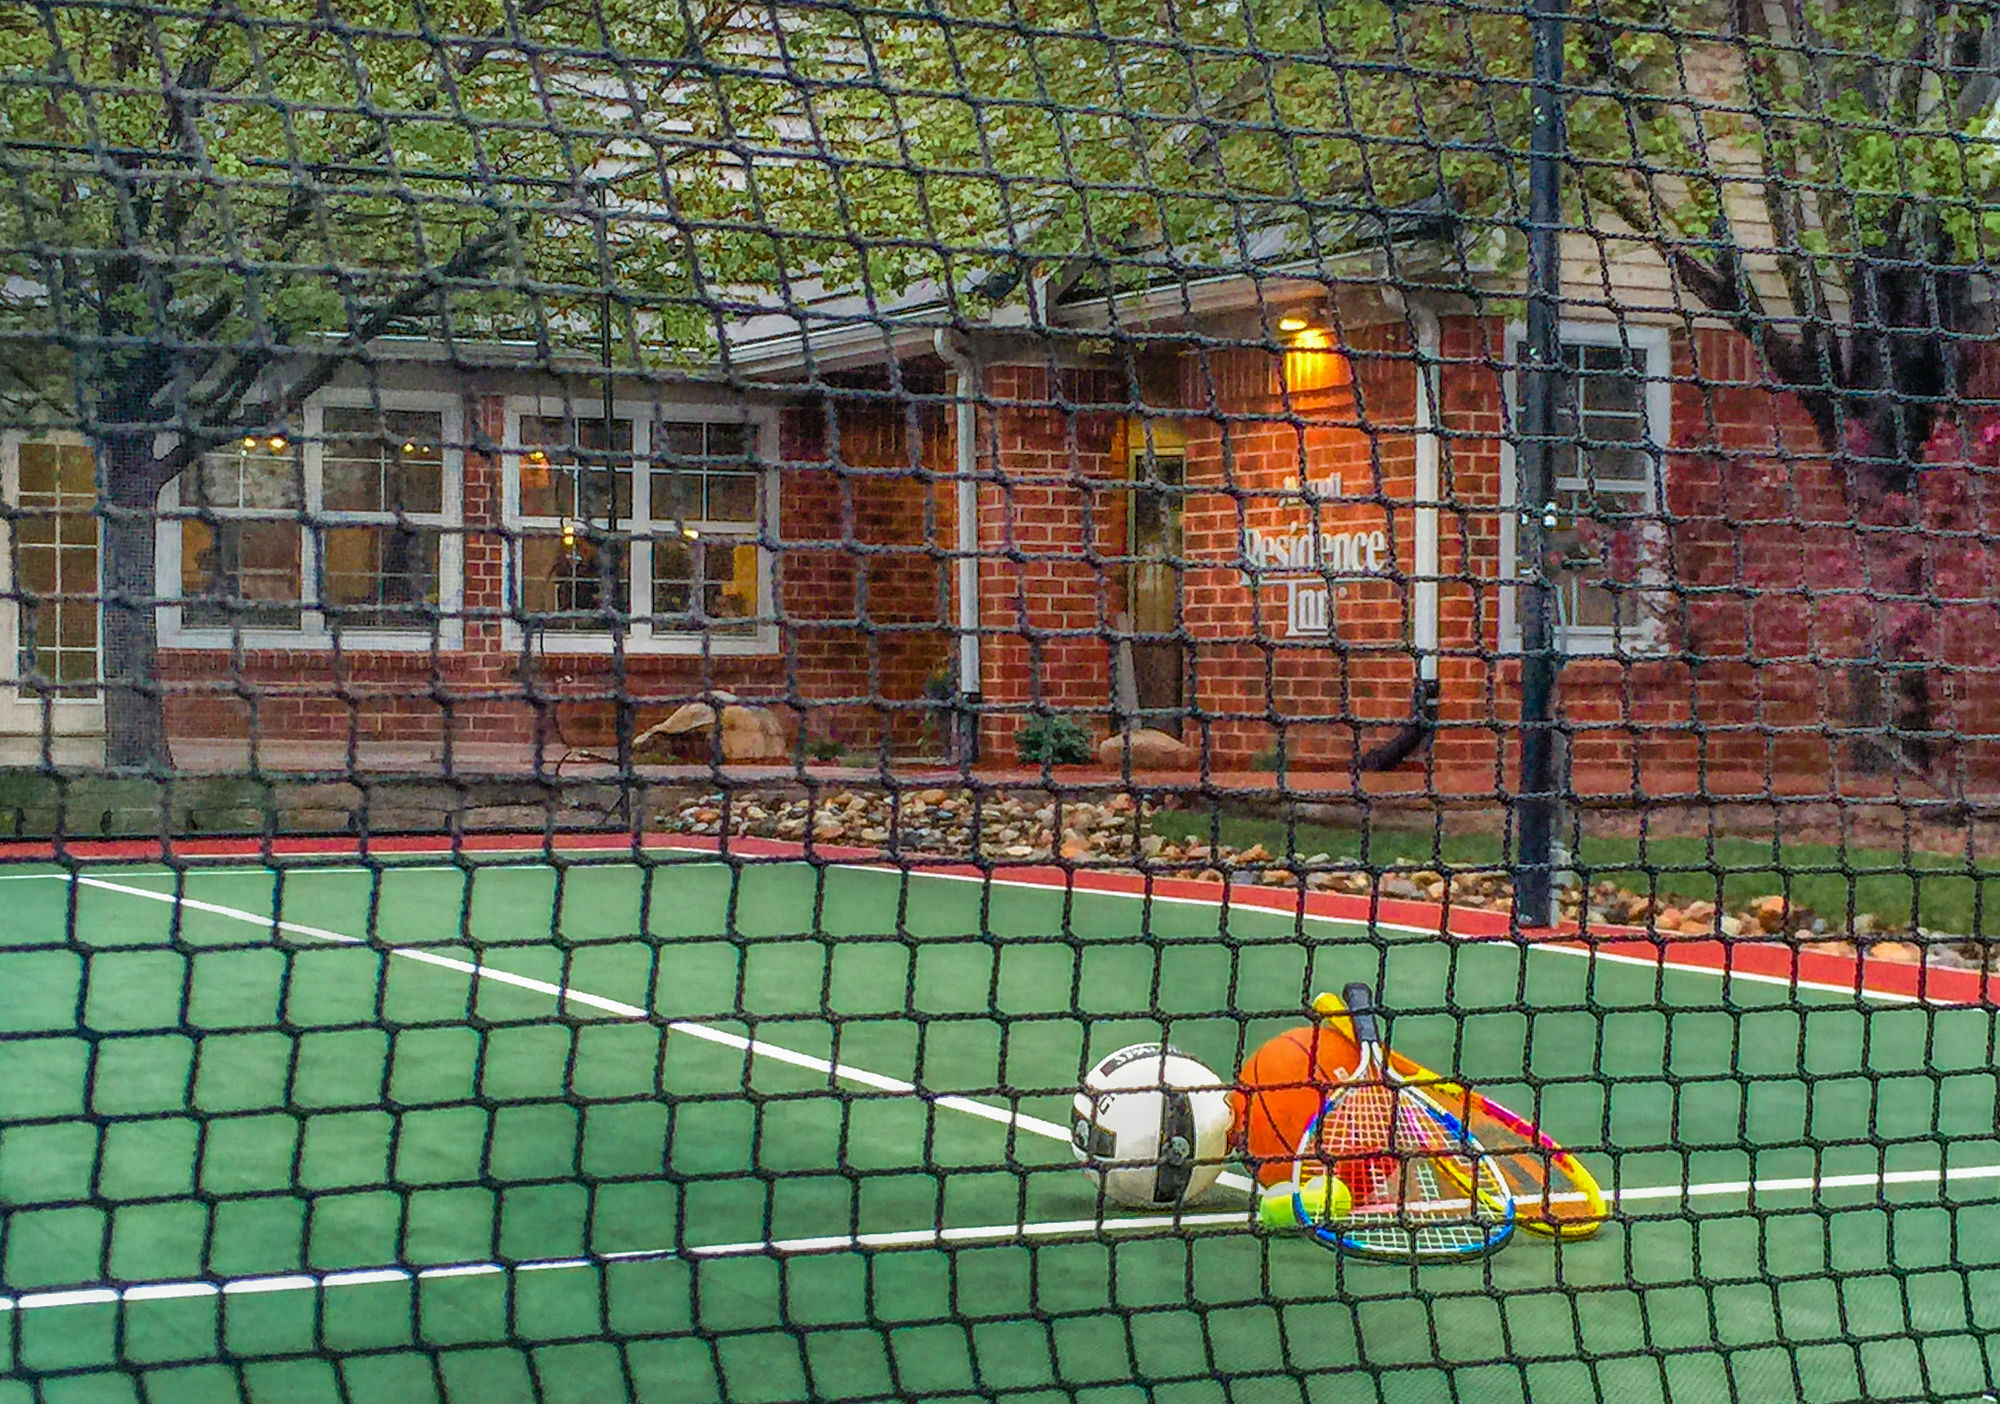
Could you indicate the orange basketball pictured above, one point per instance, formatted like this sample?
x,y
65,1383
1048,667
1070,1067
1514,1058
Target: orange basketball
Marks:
x,y
1279,1091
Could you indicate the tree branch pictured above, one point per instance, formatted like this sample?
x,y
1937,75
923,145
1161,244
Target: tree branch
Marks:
x,y
223,404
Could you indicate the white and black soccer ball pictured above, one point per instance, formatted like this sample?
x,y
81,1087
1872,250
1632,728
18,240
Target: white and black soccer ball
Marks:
x,y
1151,1126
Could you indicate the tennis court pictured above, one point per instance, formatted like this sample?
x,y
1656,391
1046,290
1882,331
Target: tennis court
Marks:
x,y
568,1125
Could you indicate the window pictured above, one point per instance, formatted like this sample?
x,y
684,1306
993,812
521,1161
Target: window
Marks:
x,y
55,569
382,495
1603,544
706,499
349,529
240,558
653,526
575,488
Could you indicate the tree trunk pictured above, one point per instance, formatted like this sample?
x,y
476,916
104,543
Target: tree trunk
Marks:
x,y
135,722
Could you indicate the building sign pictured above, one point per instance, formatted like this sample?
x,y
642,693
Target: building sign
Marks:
x,y
1303,562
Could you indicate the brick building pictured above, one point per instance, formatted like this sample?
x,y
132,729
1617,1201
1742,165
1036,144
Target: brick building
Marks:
x,y
1279,506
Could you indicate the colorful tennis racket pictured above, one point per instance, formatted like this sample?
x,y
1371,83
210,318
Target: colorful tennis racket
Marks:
x,y
1553,1193
1423,1189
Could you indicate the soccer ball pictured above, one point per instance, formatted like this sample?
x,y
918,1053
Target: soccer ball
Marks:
x,y
1151,1126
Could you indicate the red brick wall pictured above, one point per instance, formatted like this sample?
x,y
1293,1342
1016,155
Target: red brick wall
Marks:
x,y
866,583
1751,678
1260,674
1752,682
1052,530
857,583
1772,565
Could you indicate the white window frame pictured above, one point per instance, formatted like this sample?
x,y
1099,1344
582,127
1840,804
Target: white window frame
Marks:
x,y
1656,345
641,636
23,714
313,631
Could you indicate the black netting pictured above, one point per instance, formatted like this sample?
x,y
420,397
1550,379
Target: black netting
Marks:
x,y
638,638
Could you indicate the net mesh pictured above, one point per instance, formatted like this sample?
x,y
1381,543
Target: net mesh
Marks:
x,y
630,634
1419,1190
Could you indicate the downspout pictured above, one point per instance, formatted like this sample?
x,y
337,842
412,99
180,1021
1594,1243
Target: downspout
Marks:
x,y
1422,725
964,386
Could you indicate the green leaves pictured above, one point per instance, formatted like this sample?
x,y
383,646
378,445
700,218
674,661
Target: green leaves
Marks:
x,y
303,158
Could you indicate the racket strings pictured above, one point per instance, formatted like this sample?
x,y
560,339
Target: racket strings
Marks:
x,y
1416,1187
1549,1185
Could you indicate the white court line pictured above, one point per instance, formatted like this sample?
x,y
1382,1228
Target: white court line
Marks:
x,y
846,1072
905,1239
842,1071
1557,946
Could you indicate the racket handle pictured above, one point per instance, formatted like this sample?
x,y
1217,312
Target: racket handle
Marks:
x,y
1360,1002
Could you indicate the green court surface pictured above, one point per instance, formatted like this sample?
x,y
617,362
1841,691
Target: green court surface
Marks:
x,y
463,1131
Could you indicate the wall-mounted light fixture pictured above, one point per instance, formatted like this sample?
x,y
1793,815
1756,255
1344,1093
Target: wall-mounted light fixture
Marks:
x,y
1311,359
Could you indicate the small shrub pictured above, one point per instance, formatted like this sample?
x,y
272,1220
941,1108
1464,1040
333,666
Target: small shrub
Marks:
x,y
823,750
1053,741
1267,759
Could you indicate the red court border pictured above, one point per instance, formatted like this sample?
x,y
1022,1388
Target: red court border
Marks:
x,y
1763,960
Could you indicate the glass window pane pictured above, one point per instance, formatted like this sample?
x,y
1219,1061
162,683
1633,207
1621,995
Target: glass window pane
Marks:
x,y
673,578
1610,382
730,599
1622,470
565,474
728,441
76,570
351,477
732,497
1155,528
1604,428
76,622
253,473
388,462
38,470
553,489
78,472
679,439
586,432
76,670
559,584
380,577
594,493
548,489
676,495
237,572
55,562
1587,557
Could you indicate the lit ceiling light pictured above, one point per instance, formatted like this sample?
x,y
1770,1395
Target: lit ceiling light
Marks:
x,y
249,443
1293,323
277,443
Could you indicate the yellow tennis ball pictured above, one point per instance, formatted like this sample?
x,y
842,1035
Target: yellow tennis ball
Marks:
x,y
1326,1198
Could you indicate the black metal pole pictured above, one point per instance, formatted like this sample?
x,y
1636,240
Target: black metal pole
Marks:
x,y
1540,785
611,561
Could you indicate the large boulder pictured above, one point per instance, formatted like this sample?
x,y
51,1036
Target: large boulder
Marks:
x,y
1149,749
748,734
752,734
